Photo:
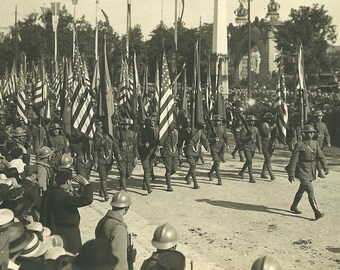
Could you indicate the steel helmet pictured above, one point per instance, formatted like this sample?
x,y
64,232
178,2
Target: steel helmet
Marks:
x,y
266,263
18,132
55,126
45,152
217,118
251,118
318,113
165,237
308,128
65,161
121,199
268,115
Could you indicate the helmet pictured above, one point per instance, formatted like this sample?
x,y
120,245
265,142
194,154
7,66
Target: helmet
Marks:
x,y
55,126
295,114
45,152
268,115
126,121
251,118
171,259
241,109
217,118
18,132
308,128
318,113
165,237
266,262
147,121
65,161
121,199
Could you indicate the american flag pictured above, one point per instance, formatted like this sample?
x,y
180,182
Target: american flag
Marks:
x,y
56,86
21,96
130,101
166,111
95,80
40,86
12,80
184,97
121,100
157,94
280,105
208,93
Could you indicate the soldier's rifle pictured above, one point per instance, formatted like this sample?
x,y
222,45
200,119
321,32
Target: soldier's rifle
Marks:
x,y
210,125
240,117
131,252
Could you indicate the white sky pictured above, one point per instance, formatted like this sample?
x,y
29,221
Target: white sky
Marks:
x,y
148,12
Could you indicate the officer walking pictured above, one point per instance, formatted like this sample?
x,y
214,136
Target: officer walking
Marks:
x,y
302,165
321,136
250,139
218,139
147,142
236,127
268,143
125,150
83,149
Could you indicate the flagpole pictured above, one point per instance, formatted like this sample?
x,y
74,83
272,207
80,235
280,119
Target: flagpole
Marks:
x,y
96,35
128,26
249,53
16,33
74,25
176,47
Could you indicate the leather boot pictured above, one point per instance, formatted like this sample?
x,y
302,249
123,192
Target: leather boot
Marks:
x,y
218,174
314,206
193,175
296,201
104,189
264,171
187,177
168,182
123,183
241,156
147,182
211,172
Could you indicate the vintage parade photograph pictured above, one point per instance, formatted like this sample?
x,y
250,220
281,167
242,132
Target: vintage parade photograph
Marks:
x,y
169,135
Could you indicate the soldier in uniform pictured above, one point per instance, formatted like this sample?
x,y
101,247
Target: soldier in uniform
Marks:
x,y
103,148
125,150
147,142
268,142
218,139
193,140
293,133
19,136
113,229
45,170
236,127
58,142
321,136
170,156
82,147
302,165
165,238
250,140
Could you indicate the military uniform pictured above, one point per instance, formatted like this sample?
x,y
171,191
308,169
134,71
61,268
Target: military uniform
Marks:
x,y
125,150
236,127
267,142
82,148
218,139
45,175
103,148
147,142
191,150
113,229
60,145
151,263
250,143
302,165
170,157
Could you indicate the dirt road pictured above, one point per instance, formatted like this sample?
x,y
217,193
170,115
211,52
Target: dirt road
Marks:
x,y
229,226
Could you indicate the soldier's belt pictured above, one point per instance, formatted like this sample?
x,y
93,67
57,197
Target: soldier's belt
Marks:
x,y
309,160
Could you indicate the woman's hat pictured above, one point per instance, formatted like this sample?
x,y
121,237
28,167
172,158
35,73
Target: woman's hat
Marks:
x,y
34,248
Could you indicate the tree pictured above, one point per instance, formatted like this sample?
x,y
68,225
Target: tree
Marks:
x,y
312,27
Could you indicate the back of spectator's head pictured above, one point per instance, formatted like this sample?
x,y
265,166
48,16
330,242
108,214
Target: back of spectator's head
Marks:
x,y
171,260
30,170
266,263
96,255
63,175
16,152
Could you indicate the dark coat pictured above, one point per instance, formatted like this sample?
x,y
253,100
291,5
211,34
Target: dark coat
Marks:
x,y
194,141
125,145
146,135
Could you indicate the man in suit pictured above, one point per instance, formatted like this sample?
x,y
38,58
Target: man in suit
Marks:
x,y
302,165
59,211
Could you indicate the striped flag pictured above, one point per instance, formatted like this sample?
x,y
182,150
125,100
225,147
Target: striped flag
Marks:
x,y
47,110
12,80
208,93
21,95
130,101
137,87
280,105
146,88
122,88
40,86
56,86
157,93
65,103
304,107
166,111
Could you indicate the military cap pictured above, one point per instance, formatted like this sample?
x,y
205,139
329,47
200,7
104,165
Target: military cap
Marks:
x,y
308,128
217,118
318,113
18,132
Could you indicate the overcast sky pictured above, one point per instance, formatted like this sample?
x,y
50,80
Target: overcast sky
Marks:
x,y
148,13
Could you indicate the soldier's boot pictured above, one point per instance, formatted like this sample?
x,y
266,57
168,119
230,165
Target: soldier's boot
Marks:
x,y
270,171
241,173
314,206
193,175
241,155
211,172
264,171
168,182
104,188
296,201
251,176
153,177
123,183
218,174
187,177
234,152
147,182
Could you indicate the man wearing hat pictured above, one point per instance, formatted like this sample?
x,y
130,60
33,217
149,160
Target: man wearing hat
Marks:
x,y
103,156
218,139
59,210
125,150
45,169
19,136
250,138
113,229
302,165
236,127
147,142
321,136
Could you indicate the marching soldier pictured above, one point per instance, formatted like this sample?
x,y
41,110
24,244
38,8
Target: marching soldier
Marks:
x,y
321,136
302,165
236,127
82,147
293,133
170,157
250,139
103,148
147,141
191,150
218,140
125,150
268,143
